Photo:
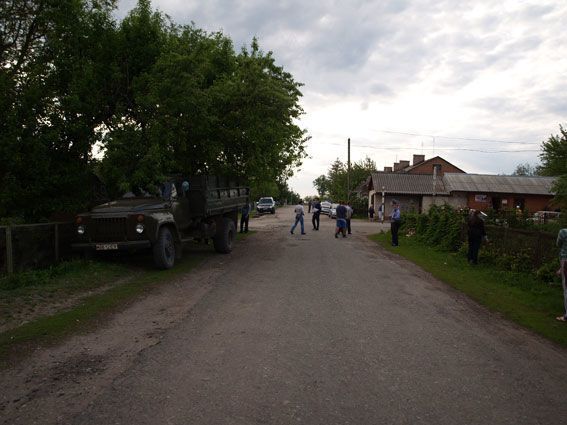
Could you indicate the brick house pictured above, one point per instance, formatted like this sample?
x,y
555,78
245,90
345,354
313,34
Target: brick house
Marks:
x,y
437,182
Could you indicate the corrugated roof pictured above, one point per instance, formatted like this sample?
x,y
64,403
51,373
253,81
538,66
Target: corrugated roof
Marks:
x,y
456,182
409,184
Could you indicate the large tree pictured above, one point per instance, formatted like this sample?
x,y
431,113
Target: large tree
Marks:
x,y
554,163
56,80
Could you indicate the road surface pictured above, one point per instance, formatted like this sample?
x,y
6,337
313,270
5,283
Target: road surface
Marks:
x,y
293,329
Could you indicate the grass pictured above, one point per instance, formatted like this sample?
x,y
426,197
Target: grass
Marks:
x,y
48,329
519,297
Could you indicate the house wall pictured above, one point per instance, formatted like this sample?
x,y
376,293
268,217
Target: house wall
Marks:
x,y
484,201
407,203
427,167
456,201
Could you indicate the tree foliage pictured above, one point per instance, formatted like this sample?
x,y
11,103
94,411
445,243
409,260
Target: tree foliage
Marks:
x,y
526,169
158,98
554,163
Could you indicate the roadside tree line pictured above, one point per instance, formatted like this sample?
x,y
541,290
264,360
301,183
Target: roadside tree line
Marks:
x,y
89,100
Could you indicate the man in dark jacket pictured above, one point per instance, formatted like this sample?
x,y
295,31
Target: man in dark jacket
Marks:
x,y
244,217
476,234
316,214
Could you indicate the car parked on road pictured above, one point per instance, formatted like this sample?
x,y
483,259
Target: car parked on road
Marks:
x,y
266,205
333,211
326,207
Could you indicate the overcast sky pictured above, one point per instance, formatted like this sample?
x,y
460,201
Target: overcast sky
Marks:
x,y
441,71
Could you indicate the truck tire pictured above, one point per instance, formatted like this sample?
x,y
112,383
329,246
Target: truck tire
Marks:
x,y
164,249
224,238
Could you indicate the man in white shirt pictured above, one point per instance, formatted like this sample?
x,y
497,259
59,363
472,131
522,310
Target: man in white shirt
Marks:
x,y
299,213
349,212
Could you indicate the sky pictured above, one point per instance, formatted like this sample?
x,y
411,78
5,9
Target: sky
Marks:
x,y
480,83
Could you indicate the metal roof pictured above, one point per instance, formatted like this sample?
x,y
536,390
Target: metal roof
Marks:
x,y
456,182
409,184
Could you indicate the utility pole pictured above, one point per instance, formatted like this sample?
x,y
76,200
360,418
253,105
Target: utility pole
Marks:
x,y
348,172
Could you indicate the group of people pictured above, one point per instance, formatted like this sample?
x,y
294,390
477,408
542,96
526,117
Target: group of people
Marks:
x,y
343,224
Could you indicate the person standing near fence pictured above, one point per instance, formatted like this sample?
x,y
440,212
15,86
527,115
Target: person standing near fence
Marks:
x,y
395,222
299,213
371,213
476,234
562,244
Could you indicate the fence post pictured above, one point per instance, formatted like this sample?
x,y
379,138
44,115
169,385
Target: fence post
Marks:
x,y
56,242
9,252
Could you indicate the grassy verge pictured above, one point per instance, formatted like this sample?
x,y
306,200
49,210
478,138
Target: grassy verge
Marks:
x,y
48,329
518,296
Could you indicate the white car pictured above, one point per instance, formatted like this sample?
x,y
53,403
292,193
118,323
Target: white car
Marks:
x,y
266,205
333,211
326,207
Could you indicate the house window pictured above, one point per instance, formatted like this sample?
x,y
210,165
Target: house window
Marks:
x,y
437,169
519,203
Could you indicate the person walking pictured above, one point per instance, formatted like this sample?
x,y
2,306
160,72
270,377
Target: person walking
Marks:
x,y
476,234
341,213
299,213
395,222
244,218
315,219
562,244
349,212
371,213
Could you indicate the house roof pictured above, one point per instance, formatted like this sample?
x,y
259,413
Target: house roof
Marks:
x,y
407,184
430,160
456,182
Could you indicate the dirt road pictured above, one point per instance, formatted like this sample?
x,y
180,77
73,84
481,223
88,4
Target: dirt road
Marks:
x,y
296,329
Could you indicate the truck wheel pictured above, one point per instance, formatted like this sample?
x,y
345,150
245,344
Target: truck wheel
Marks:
x,y
225,236
164,249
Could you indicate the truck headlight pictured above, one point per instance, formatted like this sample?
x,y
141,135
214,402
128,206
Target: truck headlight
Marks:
x,y
81,229
140,228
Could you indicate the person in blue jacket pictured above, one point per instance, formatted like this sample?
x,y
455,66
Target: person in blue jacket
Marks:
x,y
395,222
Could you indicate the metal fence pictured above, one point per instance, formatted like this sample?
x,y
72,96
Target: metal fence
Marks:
x,y
31,246
539,246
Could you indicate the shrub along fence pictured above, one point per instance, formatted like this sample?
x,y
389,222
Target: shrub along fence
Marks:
x,y
528,250
30,246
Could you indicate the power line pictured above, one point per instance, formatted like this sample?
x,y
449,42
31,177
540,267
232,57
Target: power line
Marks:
x,y
441,149
459,138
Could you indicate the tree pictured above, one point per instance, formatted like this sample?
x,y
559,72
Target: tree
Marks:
x,y
322,185
554,163
55,87
526,170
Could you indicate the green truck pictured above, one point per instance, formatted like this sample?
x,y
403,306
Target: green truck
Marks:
x,y
162,219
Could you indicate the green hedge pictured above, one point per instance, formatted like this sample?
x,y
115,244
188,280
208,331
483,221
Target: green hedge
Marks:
x,y
517,250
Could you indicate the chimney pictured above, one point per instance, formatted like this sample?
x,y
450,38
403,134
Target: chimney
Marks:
x,y
396,166
387,169
418,158
404,164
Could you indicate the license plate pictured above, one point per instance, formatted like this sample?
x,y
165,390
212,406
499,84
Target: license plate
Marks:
x,y
106,246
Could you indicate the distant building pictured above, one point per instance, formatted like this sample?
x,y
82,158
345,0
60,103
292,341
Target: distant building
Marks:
x,y
436,182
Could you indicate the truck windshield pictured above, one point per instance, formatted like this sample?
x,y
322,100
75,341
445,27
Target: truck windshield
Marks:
x,y
265,201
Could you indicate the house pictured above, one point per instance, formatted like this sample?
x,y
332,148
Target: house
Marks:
x,y
437,182
415,186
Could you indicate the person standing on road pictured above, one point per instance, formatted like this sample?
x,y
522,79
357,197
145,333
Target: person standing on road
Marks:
x,y
371,213
349,212
476,234
395,221
381,213
316,214
244,218
299,213
341,213
309,206
562,244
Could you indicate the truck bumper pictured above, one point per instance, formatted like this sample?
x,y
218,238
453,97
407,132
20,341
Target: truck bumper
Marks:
x,y
110,246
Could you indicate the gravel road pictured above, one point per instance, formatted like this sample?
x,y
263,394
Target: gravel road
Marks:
x,y
296,329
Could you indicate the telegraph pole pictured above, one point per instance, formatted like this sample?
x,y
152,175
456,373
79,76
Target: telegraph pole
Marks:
x,y
348,172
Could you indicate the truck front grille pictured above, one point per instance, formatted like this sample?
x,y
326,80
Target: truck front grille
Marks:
x,y
108,229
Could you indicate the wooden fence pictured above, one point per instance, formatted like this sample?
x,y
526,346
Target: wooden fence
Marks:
x,y
31,246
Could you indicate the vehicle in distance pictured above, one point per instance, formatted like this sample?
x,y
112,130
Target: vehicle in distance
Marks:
x,y
163,217
333,211
266,205
541,217
325,207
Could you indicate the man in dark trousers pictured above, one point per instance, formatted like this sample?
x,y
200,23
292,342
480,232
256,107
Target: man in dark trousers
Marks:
x,y
476,234
395,221
316,214
244,217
